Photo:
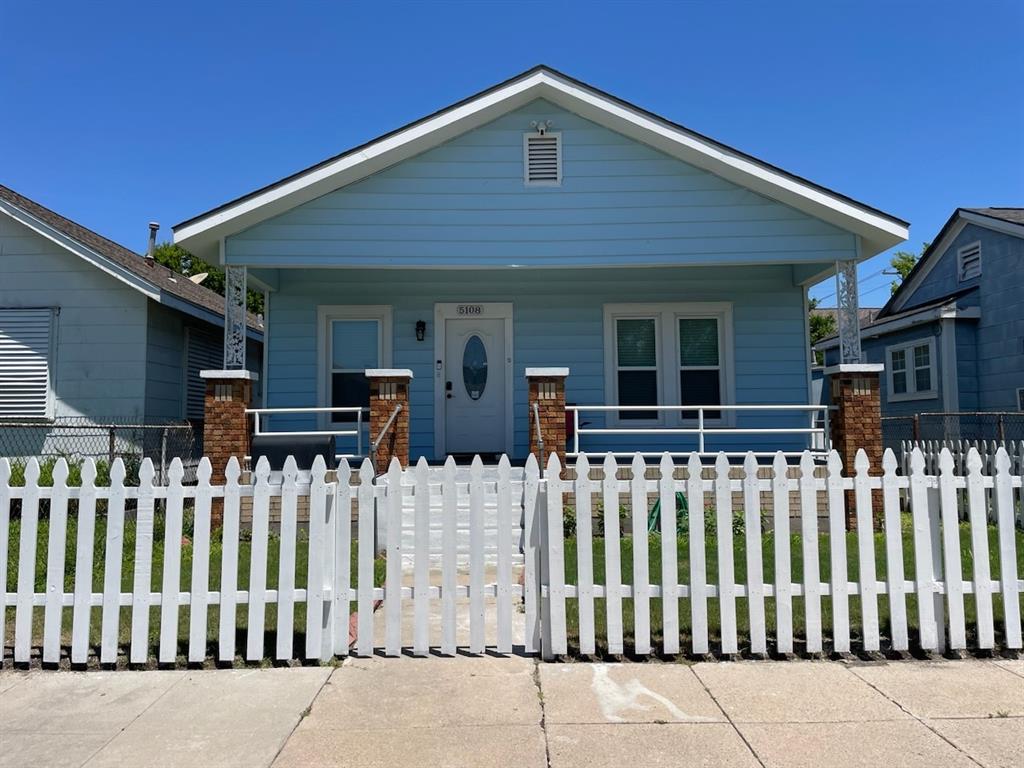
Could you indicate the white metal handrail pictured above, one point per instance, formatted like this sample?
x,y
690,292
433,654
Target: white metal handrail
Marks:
x,y
357,433
702,430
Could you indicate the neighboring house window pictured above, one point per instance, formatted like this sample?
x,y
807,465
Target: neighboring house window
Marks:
x,y
1020,398
968,260
667,354
912,370
204,351
542,159
26,363
356,338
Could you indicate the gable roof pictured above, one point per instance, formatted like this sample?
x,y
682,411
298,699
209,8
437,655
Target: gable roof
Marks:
x,y
1007,220
878,231
154,280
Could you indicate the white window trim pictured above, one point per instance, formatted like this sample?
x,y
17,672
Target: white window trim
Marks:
x,y
667,316
960,261
558,159
912,393
326,314
49,411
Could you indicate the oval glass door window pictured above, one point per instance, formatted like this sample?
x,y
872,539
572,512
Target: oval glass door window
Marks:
x,y
474,367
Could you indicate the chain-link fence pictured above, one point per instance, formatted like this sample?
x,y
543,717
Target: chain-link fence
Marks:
x,y
998,427
78,438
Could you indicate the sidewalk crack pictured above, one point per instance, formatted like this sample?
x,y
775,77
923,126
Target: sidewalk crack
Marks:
x,y
543,714
693,669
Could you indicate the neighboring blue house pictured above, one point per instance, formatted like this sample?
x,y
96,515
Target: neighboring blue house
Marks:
x,y
543,222
91,332
952,336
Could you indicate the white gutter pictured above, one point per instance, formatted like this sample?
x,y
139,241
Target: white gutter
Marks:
x,y
945,312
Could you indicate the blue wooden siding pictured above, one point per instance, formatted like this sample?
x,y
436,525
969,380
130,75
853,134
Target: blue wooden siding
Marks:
x,y
558,320
165,355
465,204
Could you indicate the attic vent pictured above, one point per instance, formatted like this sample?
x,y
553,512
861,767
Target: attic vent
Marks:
x,y
969,261
543,158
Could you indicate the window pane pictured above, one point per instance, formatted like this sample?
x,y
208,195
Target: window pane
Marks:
x,y
698,342
348,390
922,356
474,367
636,342
923,379
899,382
638,388
899,360
354,344
700,388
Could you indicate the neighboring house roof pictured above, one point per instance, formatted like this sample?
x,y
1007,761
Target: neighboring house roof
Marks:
x,y
153,279
865,315
878,231
1007,220
945,307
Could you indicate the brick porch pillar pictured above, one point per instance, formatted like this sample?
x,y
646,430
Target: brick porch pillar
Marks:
x,y
225,424
857,424
547,389
389,387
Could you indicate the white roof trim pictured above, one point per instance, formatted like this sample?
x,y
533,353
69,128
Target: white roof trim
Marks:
x,y
878,232
944,312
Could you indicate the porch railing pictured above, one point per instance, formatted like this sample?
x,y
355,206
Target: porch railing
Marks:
x,y
817,436
259,425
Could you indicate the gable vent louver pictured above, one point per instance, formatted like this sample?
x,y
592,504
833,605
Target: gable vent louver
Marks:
x,y
969,258
543,162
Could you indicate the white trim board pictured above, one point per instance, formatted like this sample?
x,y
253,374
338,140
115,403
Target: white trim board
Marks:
x,y
879,231
450,311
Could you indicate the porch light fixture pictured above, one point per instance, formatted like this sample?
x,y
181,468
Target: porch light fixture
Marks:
x,y
421,330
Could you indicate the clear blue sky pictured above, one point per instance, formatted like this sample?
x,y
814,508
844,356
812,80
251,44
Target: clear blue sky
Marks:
x,y
117,113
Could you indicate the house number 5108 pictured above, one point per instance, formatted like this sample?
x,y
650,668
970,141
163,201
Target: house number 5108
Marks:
x,y
470,309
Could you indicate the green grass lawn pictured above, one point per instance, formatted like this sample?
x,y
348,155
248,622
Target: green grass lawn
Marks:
x,y
768,556
127,580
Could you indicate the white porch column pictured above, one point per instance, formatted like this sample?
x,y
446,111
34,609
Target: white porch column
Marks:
x,y
848,312
234,318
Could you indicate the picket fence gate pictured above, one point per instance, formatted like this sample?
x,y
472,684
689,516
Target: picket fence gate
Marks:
x,y
537,504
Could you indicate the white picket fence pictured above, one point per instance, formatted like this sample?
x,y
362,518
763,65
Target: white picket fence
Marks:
x,y
535,503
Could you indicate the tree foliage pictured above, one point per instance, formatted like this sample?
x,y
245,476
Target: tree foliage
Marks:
x,y
176,258
903,262
822,326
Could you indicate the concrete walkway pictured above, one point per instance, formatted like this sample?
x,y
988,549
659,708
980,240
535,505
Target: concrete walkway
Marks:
x,y
493,711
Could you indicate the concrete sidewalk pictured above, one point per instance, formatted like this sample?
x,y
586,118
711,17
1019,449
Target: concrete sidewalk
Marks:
x,y
515,711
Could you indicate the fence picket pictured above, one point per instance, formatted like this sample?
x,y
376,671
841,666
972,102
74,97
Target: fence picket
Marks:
x,y
341,610
55,554
200,587
315,565
837,548
112,557
978,516
755,565
612,555
531,550
421,566
809,547
229,563
641,572
866,553
5,523
393,567
669,557
286,561
894,554
726,562
783,561
556,559
584,556
476,556
142,583
698,556
365,556
27,562
935,534
254,641
1003,496
449,554
171,584
951,551
504,565
925,586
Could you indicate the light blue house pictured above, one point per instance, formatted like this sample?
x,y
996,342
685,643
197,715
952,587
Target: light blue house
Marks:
x,y
93,333
952,336
543,222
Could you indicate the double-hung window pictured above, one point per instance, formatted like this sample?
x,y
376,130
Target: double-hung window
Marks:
x,y
355,338
667,354
912,370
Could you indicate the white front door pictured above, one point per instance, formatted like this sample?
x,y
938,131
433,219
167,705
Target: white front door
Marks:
x,y
474,384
